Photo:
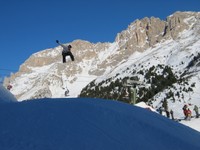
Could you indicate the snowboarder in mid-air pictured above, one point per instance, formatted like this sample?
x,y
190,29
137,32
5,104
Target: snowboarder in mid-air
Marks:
x,y
66,51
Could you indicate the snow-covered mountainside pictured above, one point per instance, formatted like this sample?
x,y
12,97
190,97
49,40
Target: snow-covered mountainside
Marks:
x,y
162,55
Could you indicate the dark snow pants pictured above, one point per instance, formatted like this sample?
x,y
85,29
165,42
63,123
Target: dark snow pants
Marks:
x,y
67,54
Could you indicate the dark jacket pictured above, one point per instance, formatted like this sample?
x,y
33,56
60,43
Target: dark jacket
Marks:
x,y
66,48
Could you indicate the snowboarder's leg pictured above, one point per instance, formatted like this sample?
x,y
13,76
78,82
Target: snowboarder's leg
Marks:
x,y
64,58
72,57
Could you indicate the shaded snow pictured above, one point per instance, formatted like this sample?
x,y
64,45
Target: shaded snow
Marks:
x,y
89,124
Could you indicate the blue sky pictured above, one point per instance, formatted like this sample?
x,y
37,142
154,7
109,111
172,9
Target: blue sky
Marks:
x,y
29,26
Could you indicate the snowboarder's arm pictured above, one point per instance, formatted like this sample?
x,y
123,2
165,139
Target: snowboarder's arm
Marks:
x,y
60,43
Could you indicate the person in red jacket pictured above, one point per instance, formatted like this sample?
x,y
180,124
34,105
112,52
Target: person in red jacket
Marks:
x,y
185,111
188,114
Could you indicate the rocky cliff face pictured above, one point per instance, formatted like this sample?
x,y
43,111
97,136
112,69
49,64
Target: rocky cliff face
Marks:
x,y
44,75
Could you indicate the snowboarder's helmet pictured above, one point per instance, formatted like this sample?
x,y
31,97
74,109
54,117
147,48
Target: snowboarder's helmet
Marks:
x,y
69,46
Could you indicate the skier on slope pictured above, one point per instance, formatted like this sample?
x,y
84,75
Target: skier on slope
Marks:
x,y
196,111
66,51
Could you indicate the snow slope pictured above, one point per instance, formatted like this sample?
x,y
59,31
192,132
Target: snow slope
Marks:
x,y
88,124
193,123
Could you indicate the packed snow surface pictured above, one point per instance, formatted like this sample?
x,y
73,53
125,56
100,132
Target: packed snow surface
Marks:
x,y
89,124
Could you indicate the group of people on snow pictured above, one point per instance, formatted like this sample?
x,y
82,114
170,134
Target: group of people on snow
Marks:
x,y
186,111
168,114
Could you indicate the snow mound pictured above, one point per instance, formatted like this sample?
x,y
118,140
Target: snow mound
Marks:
x,y
144,105
5,95
89,124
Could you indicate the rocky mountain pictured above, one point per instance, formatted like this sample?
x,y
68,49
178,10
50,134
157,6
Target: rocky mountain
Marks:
x,y
163,55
